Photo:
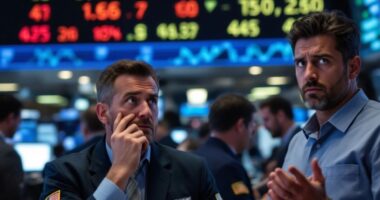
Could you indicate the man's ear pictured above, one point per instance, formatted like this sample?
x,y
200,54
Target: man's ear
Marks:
x,y
354,66
102,112
240,125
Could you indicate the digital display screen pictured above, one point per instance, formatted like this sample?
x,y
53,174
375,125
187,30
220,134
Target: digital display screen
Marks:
x,y
85,33
367,13
34,156
47,133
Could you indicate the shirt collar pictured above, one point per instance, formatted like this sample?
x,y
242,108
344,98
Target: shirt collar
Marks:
x,y
344,116
341,119
145,156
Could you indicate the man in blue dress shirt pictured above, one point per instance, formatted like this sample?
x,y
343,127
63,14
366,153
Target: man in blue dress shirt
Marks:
x,y
337,154
127,163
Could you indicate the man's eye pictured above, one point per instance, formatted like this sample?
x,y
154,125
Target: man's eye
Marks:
x,y
131,100
153,100
323,61
300,63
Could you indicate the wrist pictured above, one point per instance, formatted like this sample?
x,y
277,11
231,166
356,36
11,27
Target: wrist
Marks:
x,y
118,176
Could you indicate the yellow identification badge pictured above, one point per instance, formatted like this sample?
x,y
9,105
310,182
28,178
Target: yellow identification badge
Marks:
x,y
54,196
239,188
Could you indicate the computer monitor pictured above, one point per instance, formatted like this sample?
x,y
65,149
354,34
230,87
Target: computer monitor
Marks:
x,y
26,131
179,135
47,133
34,156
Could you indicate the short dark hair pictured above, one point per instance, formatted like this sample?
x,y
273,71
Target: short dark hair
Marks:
x,y
334,23
104,85
277,103
91,120
227,109
9,104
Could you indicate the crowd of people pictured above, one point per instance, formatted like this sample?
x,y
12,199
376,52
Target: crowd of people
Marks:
x,y
129,153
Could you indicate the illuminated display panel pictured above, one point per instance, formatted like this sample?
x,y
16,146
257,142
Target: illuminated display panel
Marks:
x,y
367,13
91,34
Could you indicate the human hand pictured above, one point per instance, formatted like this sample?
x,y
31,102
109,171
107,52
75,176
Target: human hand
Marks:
x,y
283,186
127,143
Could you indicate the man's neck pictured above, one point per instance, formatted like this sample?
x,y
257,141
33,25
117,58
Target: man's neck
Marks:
x,y
226,138
324,115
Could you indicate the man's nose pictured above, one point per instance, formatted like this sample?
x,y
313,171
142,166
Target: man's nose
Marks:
x,y
311,72
145,110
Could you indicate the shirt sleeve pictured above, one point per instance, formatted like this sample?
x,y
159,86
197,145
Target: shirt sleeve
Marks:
x,y
108,190
375,159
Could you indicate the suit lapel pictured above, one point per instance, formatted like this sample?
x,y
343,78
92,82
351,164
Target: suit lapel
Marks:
x,y
99,163
158,174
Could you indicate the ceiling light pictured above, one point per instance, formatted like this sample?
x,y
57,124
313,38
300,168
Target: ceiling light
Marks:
x,y
8,87
255,70
84,80
65,75
196,96
278,80
52,99
260,93
81,104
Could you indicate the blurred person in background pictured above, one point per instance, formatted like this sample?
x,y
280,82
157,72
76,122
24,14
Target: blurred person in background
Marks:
x,y
337,153
204,132
190,144
277,115
128,164
170,121
11,172
91,128
231,120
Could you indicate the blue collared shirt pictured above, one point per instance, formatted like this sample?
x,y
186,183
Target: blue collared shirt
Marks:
x,y
109,190
347,149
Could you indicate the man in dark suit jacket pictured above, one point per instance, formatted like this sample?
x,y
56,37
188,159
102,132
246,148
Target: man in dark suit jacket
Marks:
x,y
231,124
128,164
11,172
171,175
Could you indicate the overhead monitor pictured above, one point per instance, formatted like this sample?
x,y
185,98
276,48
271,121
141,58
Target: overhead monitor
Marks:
x,y
80,34
367,14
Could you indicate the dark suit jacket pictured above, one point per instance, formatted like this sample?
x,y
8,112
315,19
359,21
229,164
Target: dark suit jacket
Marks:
x,y
11,173
226,168
171,174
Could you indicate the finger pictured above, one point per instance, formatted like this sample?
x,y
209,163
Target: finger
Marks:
x,y
123,123
273,195
144,143
271,176
283,179
133,129
278,191
117,120
317,172
300,178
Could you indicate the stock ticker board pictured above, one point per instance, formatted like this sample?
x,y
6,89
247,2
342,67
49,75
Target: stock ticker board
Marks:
x,y
368,15
87,34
